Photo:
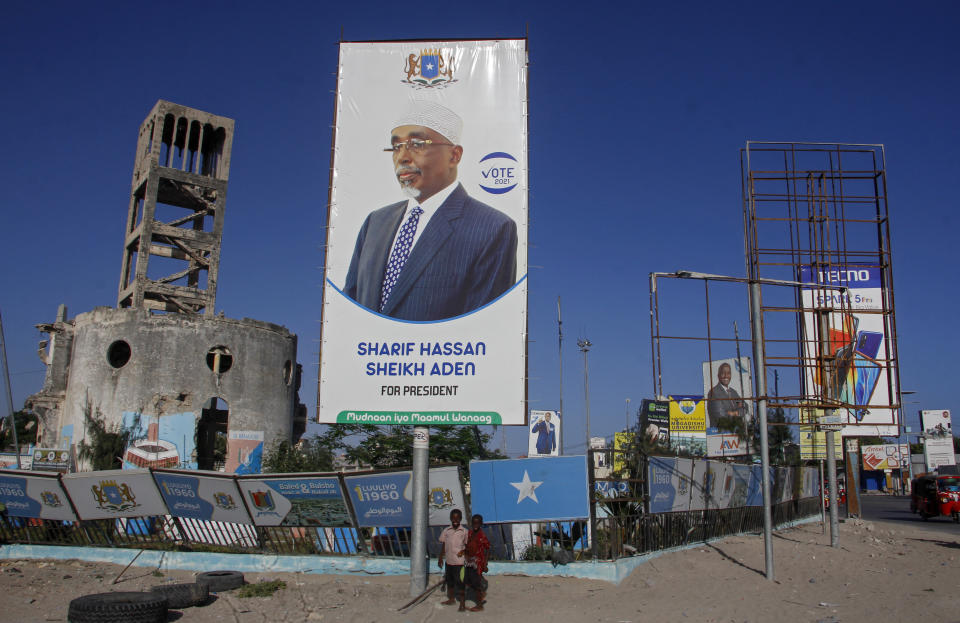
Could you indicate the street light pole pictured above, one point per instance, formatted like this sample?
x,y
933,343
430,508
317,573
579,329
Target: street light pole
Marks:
x,y
6,376
585,345
626,415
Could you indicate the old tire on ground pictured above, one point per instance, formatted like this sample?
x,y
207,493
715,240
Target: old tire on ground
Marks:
x,y
128,607
220,580
183,595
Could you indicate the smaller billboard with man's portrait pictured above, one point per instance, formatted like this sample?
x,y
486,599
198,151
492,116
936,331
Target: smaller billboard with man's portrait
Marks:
x,y
544,439
728,389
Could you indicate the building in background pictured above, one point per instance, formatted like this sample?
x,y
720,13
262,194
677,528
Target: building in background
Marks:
x,y
197,389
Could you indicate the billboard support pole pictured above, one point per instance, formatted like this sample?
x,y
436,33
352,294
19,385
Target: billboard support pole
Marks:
x,y
761,390
560,357
418,540
823,320
832,484
823,518
585,345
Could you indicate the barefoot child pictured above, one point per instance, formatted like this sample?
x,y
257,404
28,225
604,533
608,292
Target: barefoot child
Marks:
x,y
476,561
453,543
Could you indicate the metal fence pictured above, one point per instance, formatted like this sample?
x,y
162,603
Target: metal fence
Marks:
x,y
620,524
613,537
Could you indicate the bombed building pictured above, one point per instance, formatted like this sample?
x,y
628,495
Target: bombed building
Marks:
x,y
197,389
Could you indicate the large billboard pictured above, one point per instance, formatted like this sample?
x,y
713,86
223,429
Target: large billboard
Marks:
x,y
545,431
861,374
425,295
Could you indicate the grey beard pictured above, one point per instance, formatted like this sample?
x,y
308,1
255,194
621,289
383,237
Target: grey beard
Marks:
x,y
410,191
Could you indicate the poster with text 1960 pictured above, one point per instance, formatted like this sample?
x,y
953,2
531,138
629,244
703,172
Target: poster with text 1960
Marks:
x,y
31,495
425,294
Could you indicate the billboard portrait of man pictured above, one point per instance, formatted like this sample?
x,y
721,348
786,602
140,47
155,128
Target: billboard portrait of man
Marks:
x,y
543,433
439,253
425,262
723,399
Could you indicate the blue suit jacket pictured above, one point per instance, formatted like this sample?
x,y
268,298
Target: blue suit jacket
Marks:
x,y
465,258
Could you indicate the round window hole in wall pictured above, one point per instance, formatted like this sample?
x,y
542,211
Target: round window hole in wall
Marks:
x,y
219,359
118,354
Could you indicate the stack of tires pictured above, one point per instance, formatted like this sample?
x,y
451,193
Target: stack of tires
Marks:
x,y
152,606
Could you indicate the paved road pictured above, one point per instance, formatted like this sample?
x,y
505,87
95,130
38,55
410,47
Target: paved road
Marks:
x,y
896,509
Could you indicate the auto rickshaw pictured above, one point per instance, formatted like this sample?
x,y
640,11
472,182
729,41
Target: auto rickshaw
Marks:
x,y
933,496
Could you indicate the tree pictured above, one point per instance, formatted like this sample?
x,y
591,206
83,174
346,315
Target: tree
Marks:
x,y
103,445
310,455
27,426
389,447
779,436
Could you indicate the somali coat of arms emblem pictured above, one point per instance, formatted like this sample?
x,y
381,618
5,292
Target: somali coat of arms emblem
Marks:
x,y
440,498
51,499
224,501
111,496
430,69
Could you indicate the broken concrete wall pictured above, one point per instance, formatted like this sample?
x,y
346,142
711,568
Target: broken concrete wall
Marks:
x,y
165,369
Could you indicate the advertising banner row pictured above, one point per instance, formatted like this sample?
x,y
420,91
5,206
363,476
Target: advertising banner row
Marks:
x,y
375,499
704,425
681,484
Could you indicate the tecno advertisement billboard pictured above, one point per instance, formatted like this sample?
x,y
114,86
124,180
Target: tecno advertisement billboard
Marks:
x,y
425,296
861,373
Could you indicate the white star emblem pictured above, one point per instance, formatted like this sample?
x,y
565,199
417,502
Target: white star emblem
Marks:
x,y
429,66
527,488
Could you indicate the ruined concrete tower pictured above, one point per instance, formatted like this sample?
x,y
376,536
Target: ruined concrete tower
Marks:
x,y
171,251
196,390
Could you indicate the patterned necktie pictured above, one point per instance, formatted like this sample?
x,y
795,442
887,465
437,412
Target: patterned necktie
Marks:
x,y
401,251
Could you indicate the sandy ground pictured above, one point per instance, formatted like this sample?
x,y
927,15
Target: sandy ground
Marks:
x,y
880,571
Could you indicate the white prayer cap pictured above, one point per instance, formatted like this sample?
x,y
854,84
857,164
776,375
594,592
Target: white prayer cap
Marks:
x,y
434,116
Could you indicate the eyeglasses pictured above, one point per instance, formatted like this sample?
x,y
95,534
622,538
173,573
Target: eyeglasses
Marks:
x,y
415,145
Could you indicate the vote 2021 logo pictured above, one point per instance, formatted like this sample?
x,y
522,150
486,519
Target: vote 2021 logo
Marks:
x,y
499,172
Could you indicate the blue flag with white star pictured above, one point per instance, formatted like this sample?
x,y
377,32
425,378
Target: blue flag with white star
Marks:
x,y
545,488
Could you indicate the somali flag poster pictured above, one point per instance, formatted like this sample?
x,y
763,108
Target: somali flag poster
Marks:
x,y
547,488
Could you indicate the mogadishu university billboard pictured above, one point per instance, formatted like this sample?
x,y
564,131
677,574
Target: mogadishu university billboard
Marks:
x,y
861,345
425,295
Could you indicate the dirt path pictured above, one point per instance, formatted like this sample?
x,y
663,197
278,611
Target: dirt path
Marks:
x,y
884,571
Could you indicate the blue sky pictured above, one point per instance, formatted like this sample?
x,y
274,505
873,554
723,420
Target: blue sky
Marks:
x,y
637,113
